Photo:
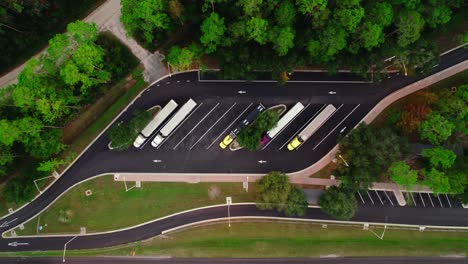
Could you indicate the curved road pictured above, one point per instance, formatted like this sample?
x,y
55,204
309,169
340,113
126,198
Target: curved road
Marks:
x,y
183,158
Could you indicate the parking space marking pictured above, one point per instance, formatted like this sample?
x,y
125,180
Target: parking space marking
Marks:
x,y
412,197
379,197
199,122
224,131
336,125
181,123
422,200
362,199
430,199
285,126
441,205
446,196
372,200
388,197
212,126
302,127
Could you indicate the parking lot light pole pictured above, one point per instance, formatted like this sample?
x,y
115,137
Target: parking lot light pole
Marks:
x,y
346,163
229,202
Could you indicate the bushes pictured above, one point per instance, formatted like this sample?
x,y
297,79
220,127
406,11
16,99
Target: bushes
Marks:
x,y
21,188
118,59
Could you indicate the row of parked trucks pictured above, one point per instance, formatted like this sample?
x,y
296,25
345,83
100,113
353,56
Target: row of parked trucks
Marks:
x,y
169,124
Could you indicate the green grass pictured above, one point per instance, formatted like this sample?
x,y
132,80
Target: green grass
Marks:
x,y
273,239
110,207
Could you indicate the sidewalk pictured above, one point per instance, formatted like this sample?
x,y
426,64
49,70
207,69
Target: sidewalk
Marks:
x,y
107,17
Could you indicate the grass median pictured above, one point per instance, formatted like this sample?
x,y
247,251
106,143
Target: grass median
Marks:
x,y
110,207
281,239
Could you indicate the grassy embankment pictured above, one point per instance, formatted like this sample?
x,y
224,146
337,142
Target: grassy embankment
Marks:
x,y
110,207
270,239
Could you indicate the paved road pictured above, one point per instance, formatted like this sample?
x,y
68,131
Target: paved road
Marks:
x,y
131,260
181,154
399,215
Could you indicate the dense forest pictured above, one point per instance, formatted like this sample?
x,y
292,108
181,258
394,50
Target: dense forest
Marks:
x,y
27,25
280,35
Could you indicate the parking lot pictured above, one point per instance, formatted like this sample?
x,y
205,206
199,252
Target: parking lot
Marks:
x,y
414,199
212,120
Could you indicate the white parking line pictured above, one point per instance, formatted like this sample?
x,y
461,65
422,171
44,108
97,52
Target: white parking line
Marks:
x,y
441,205
224,131
199,122
422,200
336,125
412,197
388,197
446,196
430,199
285,126
181,123
362,199
212,126
370,197
306,123
379,197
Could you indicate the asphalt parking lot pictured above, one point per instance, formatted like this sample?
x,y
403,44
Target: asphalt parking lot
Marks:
x,y
381,198
211,121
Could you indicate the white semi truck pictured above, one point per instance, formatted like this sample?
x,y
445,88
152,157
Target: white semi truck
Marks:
x,y
313,126
283,122
178,117
157,121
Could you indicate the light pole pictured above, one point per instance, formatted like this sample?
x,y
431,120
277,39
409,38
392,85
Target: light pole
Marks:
x,y
229,202
345,163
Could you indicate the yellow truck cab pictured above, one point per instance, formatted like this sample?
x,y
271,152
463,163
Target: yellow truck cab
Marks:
x,y
226,141
294,143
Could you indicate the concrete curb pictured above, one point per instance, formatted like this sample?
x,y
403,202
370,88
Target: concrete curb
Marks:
x,y
274,218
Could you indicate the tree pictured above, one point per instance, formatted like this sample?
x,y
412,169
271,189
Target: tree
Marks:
x,y
266,120
435,128
249,138
296,204
123,134
181,58
409,24
349,18
285,14
412,116
250,7
436,180
332,40
381,13
45,145
439,15
371,35
273,191
52,164
338,202
402,174
454,109
311,6
146,16
212,29
283,40
175,10
439,158
256,29
369,152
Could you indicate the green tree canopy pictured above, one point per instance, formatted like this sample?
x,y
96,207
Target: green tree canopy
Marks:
x,y
296,204
273,191
402,174
256,29
338,202
410,25
146,16
435,128
439,158
212,29
437,181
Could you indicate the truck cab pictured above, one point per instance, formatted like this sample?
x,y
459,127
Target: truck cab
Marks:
x,y
296,142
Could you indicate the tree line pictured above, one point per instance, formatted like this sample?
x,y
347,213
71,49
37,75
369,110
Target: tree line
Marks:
x,y
279,35
51,91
